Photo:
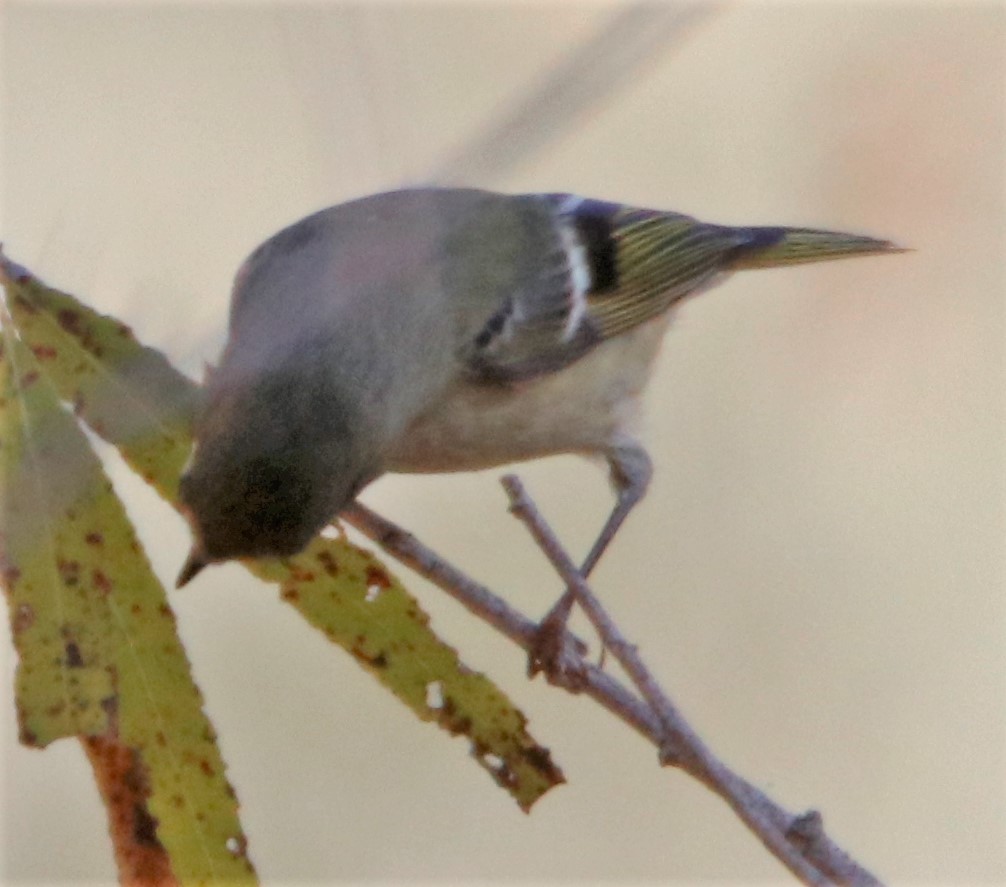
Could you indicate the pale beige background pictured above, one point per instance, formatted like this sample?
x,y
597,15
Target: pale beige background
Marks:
x,y
818,572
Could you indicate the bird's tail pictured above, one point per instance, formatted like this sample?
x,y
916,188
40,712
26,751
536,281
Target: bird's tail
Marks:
x,y
770,247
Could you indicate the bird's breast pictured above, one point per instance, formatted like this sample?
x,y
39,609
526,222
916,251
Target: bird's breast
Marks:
x,y
583,408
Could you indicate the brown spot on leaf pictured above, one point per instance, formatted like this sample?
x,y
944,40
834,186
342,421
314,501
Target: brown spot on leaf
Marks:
x,y
44,352
328,563
94,538
29,378
299,574
290,594
122,779
376,577
28,738
73,657
110,705
24,618
379,660
69,571
540,758
204,765
144,826
10,574
450,720
70,321
101,581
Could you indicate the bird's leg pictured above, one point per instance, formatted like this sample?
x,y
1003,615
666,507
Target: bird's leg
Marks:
x,y
630,472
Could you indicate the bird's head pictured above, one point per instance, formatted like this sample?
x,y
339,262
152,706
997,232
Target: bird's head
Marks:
x,y
274,462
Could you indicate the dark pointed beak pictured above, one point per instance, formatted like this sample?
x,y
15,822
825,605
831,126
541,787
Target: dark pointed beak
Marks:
x,y
193,566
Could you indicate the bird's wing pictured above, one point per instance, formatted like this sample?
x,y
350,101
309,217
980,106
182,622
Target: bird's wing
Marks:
x,y
610,268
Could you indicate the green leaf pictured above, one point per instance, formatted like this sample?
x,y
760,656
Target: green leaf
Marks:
x,y
127,393
134,398
99,655
349,595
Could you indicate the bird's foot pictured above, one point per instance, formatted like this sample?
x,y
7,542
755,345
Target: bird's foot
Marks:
x,y
555,652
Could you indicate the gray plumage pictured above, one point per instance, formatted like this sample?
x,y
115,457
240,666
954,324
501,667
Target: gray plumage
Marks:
x,y
445,330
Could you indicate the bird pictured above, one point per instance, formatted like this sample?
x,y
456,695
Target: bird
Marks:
x,y
431,330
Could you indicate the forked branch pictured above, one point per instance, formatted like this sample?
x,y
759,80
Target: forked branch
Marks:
x,y
798,841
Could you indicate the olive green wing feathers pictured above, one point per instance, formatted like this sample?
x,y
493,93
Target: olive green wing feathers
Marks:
x,y
610,268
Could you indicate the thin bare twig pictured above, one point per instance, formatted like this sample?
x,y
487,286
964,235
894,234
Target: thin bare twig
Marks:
x,y
680,745
798,842
524,509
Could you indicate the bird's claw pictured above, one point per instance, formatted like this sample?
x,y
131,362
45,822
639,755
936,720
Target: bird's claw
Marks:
x,y
556,653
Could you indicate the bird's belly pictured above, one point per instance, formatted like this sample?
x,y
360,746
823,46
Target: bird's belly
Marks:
x,y
584,408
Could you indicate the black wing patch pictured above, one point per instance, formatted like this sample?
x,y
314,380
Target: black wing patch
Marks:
x,y
594,222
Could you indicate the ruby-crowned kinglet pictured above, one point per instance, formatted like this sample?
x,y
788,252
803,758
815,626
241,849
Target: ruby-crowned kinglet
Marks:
x,y
435,330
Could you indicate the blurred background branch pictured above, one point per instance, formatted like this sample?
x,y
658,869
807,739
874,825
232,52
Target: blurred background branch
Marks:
x,y
588,77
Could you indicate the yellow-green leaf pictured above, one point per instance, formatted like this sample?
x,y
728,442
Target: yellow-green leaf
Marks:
x,y
349,595
99,655
127,393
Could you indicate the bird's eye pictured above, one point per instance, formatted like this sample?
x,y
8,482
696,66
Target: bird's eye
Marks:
x,y
265,478
273,496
